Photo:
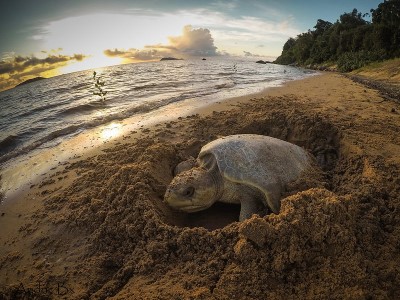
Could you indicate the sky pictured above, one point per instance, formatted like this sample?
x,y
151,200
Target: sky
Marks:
x,y
53,37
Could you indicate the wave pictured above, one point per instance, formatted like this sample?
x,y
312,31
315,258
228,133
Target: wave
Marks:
x,y
145,86
38,110
225,85
158,86
83,108
8,144
15,151
62,90
79,85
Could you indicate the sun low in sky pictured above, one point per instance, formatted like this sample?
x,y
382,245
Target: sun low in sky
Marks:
x,y
48,37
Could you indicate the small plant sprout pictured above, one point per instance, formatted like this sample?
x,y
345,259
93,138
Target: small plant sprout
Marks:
x,y
99,85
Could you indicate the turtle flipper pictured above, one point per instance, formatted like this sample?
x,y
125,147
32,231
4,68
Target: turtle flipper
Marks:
x,y
208,161
248,207
273,198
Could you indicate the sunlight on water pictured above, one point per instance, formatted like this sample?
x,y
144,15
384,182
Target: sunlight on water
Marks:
x,y
111,131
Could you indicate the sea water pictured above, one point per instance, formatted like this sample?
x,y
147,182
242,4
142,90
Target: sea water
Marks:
x,y
42,114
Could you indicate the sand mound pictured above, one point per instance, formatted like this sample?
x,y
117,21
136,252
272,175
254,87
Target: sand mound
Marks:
x,y
336,237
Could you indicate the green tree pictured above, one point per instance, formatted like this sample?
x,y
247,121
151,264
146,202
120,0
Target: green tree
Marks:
x,y
352,20
387,13
302,49
321,27
351,41
289,44
386,21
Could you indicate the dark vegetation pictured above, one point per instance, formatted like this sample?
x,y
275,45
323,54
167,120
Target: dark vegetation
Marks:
x,y
351,42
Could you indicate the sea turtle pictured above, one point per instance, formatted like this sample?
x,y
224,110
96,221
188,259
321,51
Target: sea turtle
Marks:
x,y
247,169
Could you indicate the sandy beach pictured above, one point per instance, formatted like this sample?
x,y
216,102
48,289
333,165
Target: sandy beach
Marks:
x,y
96,226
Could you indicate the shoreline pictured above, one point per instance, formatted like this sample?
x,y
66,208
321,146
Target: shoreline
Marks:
x,y
100,224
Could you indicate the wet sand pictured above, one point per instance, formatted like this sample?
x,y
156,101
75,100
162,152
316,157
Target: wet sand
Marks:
x,y
96,227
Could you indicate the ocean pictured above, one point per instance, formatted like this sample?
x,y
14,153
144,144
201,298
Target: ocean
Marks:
x,y
40,115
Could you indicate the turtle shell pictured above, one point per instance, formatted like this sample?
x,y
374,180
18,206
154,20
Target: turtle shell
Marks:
x,y
262,162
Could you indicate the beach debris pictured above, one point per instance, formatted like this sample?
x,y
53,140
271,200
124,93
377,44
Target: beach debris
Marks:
x,y
247,169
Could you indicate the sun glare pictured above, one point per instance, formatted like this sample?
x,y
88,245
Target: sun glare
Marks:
x,y
92,62
111,131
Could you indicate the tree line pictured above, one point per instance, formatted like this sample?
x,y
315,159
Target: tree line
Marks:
x,y
351,42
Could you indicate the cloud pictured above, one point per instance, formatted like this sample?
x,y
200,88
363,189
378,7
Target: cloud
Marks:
x,y
249,54
134,54
119,53
192,42
16,68
21,64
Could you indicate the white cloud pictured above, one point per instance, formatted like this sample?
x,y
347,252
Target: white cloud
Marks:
x,y
194,42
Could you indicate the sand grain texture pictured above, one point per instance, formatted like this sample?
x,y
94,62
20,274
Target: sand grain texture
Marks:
x,y
109,235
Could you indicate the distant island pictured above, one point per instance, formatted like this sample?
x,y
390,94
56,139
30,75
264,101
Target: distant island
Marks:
x,y
263,62
170,58
31,80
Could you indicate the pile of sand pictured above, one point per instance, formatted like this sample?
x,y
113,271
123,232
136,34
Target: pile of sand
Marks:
x,y
109,234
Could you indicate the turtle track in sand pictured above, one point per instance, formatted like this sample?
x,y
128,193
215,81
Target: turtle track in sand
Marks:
x,y
338,240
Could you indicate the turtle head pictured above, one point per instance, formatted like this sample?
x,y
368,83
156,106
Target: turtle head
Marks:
x,y
193,190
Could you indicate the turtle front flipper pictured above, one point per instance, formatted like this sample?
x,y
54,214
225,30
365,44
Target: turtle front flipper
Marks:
x,y
208,162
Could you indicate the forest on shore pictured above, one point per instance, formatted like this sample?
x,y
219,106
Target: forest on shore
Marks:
x,y
350,43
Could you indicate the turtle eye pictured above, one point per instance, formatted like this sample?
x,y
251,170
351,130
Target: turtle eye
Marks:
x,y
189,192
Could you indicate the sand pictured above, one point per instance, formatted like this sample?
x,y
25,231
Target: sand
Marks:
x,y
97,227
